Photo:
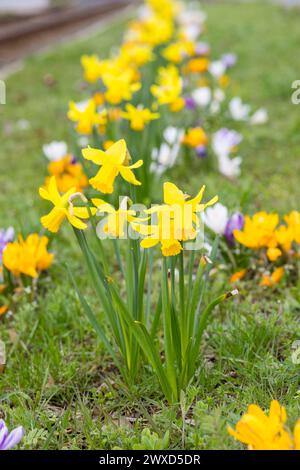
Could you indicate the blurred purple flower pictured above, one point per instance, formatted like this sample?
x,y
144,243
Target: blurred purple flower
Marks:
x,y
236,222
7,441
229,60
190,103
201,151
6,236
202,48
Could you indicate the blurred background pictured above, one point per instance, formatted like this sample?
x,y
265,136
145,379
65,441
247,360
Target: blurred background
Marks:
x,y
30,25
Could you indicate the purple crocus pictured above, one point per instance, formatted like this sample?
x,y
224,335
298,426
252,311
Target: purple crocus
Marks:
x,y
202,48
229,60
9,440
6,236
201,151
236,222
190,103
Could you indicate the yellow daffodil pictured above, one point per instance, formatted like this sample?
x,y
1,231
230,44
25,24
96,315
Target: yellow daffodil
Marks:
x,y
178,51
113,162
68,174
169,86
63,208
162,232
29,256
136,54
177,220
116,219
183,210
266,432
86,116
138,116
119,87
195,137
92,68
258,231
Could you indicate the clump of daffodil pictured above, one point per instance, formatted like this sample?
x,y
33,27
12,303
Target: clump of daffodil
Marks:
x,y
262,431
168,89
27,256
113,161
86,116
63,208
136,55
178,220
68,174
138,116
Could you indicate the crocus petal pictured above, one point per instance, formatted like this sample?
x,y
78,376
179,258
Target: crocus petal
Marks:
x,y
13,439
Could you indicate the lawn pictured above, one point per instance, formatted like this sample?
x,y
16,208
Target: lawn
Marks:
x,y
59,383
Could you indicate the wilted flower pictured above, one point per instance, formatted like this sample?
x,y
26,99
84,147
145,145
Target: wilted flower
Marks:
x,y
9,440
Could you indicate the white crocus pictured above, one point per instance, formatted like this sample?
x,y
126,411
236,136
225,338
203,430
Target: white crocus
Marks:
x,y
216,218
55,151
238,110
230,167
217,68
202,96
259,117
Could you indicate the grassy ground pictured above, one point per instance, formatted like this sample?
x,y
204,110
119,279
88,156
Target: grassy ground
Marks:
x,y
58,382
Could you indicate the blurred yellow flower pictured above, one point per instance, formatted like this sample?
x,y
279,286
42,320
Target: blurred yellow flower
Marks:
x,y
270,280
68,174
273,253
266,432
195,137
169,85
197,65
138,116
113,161
293,221
136,54
92,67
258,231
63,208
86,116
238,275
29,256
120,87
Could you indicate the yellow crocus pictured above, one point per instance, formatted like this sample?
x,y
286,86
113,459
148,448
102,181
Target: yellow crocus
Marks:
x,y
28,257
86,116
68,174
138,116
195,137
258,231
63,208
136,54
269,280
113,161
293,221
261,431
284,236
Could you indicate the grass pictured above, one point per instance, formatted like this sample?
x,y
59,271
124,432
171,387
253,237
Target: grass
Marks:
x,y
59,382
